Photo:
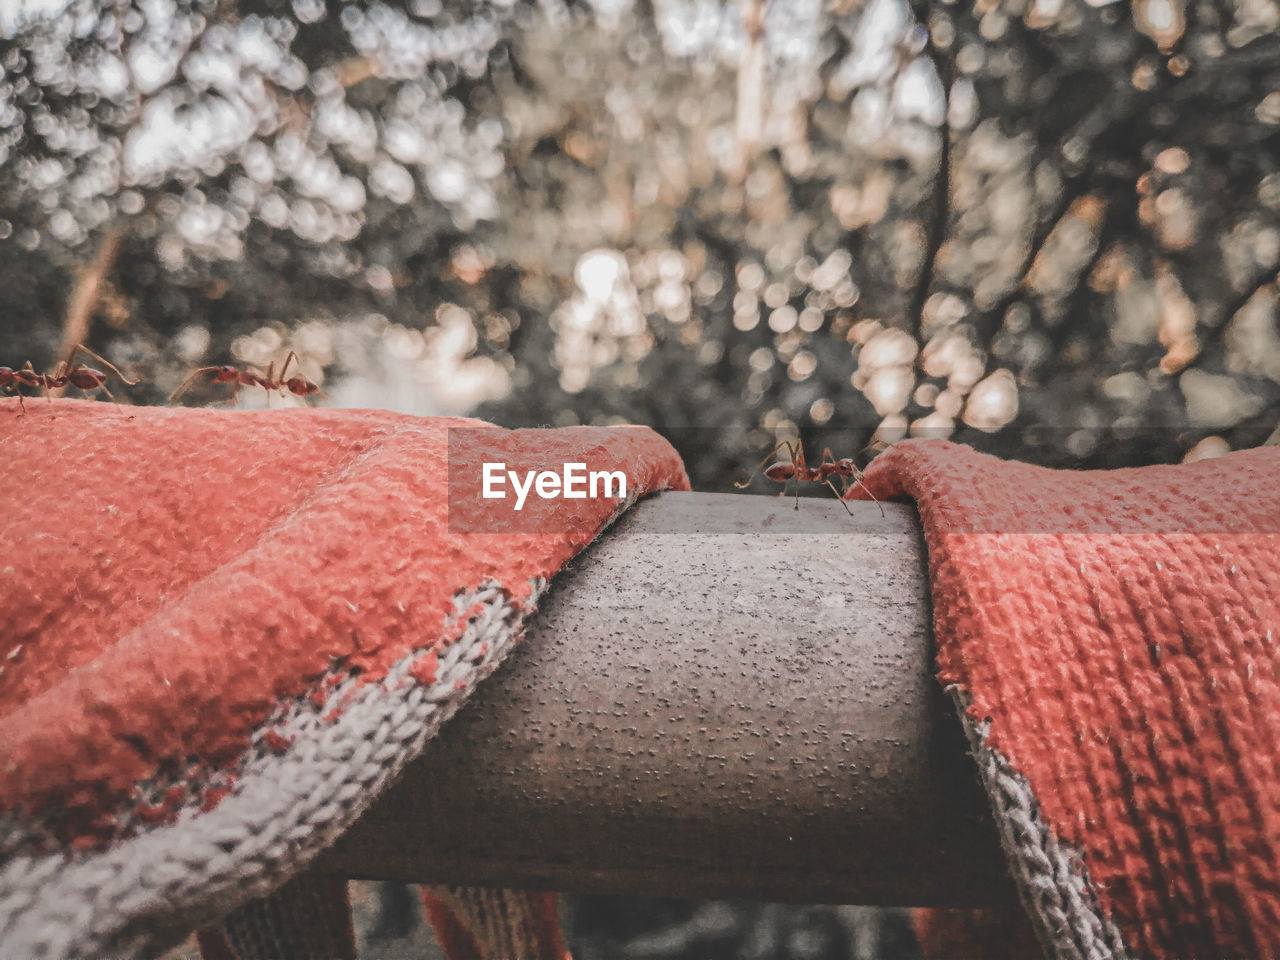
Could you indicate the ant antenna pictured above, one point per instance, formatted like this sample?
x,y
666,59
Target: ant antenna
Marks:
x,y
182,387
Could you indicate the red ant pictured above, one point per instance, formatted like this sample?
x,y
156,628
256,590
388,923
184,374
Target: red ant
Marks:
x,y
830,467
85,378
297,385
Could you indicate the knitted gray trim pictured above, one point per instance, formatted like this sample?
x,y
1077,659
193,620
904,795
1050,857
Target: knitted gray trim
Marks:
x,y
146,892
1051,877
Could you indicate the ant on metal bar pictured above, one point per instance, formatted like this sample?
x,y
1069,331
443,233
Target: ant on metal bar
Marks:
x,y
80,376
783,473
297,385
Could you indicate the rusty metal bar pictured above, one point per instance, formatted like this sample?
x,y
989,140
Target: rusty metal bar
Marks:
x,y
726,698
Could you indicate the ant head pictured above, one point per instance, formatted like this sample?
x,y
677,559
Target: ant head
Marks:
x,y
300,386
845,468
225,374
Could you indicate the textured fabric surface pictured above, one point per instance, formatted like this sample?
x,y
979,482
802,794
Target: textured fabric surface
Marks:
x,y
308,918
1114,636
971,934
1062,912
225,631
475,923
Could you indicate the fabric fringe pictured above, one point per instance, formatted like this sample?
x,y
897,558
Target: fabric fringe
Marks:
x,y
478,923
309,918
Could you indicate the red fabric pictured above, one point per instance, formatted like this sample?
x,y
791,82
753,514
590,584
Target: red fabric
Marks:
x,y
528,921
213,945
452,934
545,909
1119,631
972,934
170,575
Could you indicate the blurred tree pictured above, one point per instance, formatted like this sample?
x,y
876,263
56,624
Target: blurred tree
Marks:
x,y
1050,228
1046,227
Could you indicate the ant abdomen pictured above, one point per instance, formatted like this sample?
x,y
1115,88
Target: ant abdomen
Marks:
x,y
300,387
780,471
86,378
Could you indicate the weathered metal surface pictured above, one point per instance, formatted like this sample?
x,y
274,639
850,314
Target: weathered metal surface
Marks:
x,y
727,698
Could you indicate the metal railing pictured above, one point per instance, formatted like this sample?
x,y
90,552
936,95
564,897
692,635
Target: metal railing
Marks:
x,y
726,697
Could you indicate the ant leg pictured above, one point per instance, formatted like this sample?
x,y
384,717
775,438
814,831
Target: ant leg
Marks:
x,y
839,496
55,381
797,461
284,369
857,482
767,457
111,396
796,452
103,360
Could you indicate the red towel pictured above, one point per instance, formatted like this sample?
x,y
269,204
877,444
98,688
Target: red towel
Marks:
x,y
1112,639
223,632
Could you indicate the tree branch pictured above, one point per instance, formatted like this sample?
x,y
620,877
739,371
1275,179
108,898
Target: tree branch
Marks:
x,y
941,218
87,291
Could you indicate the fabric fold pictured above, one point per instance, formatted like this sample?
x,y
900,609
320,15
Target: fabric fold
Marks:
x,y
1111,637
226,631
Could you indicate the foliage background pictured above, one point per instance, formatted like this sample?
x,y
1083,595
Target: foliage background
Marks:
x,y
1048,228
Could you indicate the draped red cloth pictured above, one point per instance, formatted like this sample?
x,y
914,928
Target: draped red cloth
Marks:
x,y
223,632
1113,639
